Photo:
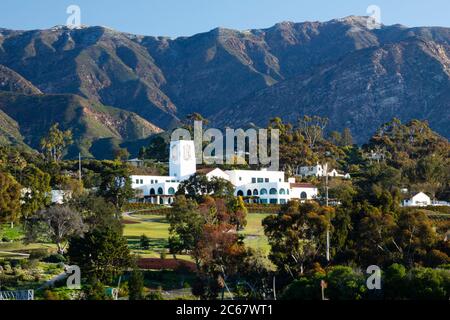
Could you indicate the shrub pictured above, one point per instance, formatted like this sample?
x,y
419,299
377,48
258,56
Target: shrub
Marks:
x,y
55,258
345,284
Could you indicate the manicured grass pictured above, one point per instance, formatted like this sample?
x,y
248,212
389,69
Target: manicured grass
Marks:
x,y
156,228
254,233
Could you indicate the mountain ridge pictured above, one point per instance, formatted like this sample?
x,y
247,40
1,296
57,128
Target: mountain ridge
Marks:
x,y
233,76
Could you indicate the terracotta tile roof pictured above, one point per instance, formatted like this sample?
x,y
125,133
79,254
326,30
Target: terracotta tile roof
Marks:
x,y
205,170
302,185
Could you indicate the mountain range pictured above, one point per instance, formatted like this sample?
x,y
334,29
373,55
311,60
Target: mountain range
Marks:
x,y
104,84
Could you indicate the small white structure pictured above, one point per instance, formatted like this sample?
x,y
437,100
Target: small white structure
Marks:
x,y
60,196
260,186
419,200
136,162
320,171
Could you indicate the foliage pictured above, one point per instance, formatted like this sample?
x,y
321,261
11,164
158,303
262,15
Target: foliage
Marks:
x,y
101,254
57,223
9,198
54,145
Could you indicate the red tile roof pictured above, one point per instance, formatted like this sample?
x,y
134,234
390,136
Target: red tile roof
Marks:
x,y
302,185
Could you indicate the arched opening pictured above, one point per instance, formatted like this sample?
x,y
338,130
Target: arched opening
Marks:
x,y
240,193
161,201
249,193
255,192
263,191
160,191
273,191
282,191
152,191
304,195
171,191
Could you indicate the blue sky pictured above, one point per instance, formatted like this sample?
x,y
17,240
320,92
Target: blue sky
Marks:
x,y
187,17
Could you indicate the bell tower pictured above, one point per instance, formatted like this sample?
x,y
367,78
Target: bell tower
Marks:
x,y
182,162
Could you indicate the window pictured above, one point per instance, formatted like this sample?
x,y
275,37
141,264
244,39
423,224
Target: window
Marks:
x,y
152,191
240,193
263,201
142,181
282,201
152,182
304,195
260,180
137,181
171,191
253,180
266,180
240,178
273,201
279,180
273,191
263,191
249,193
160,191
255,192
282,191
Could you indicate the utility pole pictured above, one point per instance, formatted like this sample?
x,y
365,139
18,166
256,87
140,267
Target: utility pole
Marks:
x,y
327,201
79,166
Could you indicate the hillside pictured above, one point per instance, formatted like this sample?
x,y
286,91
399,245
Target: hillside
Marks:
x,y
340,69
89,121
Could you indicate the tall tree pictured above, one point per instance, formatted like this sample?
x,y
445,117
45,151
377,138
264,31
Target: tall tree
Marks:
x,y
36,194
56,142
10,192
115,185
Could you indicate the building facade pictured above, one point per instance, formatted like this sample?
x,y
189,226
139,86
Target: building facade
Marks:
x,y
256,186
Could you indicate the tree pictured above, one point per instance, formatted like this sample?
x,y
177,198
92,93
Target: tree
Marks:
x,y
415,236
97,213
186,225
345,284
239,213
55,143
347,139
198,186
312,128
115,185
145,242
10,192
57,223
297,235
36,195
121,154
157,150
101,254
136,285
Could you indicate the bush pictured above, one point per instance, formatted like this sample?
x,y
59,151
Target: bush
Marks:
x,y
38,254
6,239
303,289
154,295
345,284
55,258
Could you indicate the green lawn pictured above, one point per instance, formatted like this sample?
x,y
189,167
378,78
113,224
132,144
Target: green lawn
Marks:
x,y
156,228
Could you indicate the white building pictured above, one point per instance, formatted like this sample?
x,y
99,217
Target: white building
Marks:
x,y
261,186
320,171
419,200
423,200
